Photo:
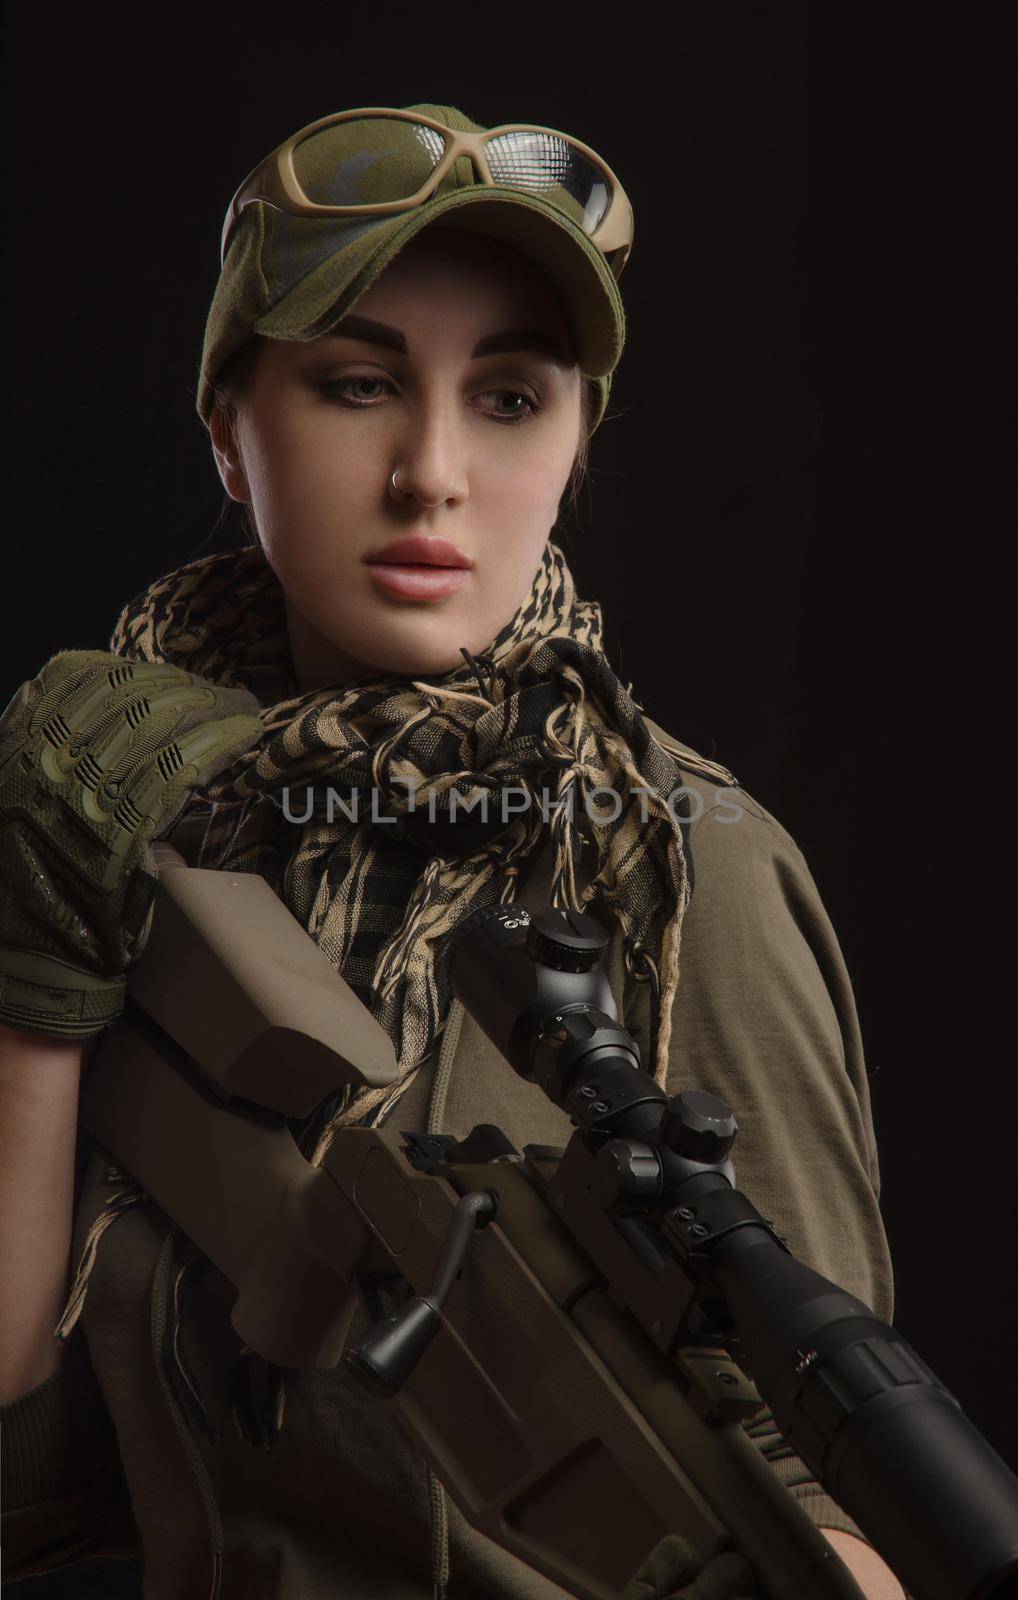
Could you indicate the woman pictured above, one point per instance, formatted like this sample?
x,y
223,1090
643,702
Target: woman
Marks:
x,y
401,620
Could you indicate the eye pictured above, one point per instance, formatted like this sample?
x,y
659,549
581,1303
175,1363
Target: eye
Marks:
x,y
510,406
515,413
339,389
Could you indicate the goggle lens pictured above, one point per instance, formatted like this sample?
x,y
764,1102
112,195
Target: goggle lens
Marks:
x,y
388,156
394,158
547,167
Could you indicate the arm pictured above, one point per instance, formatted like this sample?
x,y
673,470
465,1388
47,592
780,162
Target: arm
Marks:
x,y
62,1494
764,1017
96,757
38,1115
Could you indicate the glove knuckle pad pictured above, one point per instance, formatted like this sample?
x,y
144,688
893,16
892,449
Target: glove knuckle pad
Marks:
x,y
97,754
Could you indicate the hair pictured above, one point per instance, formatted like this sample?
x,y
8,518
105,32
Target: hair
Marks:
x,y
233,382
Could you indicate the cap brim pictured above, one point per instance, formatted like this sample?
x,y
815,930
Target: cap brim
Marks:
x,y
576,268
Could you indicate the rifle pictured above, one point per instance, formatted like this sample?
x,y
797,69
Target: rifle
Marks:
x,y
573,1339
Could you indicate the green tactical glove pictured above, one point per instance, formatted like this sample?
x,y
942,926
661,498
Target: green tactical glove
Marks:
x,y
98,756
674,1571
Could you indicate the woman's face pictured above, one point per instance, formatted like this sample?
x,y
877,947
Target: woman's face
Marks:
x,y
483,440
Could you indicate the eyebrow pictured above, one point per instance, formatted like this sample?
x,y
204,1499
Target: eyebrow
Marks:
x,y
529,339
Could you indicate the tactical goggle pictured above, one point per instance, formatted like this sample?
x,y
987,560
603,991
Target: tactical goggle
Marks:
x,y
405,155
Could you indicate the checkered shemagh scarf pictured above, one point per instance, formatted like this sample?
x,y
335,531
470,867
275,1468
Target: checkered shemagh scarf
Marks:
x,y
540,715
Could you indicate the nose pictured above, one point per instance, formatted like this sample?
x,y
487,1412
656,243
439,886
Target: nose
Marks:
x,y
430,468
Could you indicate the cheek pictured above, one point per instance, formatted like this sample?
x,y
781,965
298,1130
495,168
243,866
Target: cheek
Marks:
x,y
297,455
539,467
521,494
520,503
310,484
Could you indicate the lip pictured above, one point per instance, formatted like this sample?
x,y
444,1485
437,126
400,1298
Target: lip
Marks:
x,y
419,568
417,582
415,550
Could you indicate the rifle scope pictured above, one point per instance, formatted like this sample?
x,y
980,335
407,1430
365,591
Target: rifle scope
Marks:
x,y
875,1426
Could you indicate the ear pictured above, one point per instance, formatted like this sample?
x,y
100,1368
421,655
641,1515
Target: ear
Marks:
x,y
226,450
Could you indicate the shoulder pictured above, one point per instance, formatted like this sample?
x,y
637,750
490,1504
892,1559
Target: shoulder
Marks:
x,y
757,923
728,829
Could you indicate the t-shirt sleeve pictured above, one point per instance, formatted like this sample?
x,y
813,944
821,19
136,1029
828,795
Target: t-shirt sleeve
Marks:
x,y
764,1016
63,1494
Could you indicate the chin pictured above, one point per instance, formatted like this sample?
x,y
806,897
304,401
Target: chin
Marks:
x,y
410,663
423,645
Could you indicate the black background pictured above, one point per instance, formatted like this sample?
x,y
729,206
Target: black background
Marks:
x,y
798,519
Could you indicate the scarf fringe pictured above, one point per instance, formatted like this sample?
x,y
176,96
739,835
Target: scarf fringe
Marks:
x,y
175,1363
374,1105
131,1195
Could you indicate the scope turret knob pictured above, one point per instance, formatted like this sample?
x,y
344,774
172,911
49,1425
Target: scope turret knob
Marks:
x,y
626,1176
698,1125
567,941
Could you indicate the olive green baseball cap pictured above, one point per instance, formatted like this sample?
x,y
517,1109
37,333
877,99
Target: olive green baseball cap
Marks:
x,y
287,276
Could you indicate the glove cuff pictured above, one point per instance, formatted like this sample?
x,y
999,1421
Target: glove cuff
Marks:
x,y
42,994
